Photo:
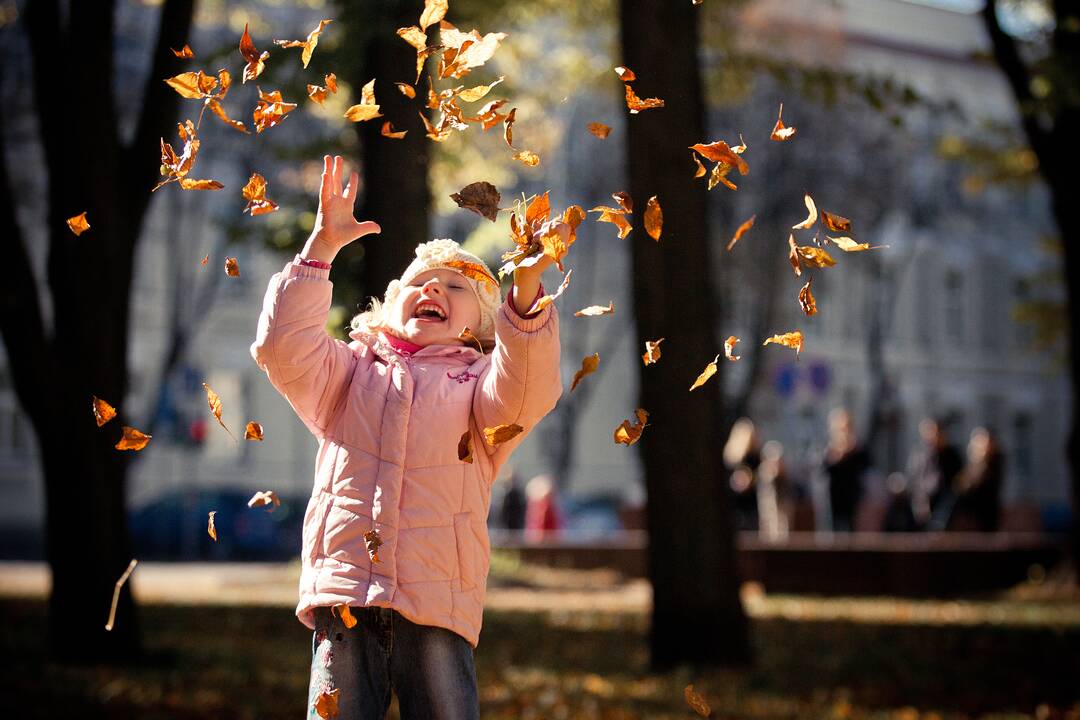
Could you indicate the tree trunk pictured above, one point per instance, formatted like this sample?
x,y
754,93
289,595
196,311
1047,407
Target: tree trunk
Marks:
x,y
697,616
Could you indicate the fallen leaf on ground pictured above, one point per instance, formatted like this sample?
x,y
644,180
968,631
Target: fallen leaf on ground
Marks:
x,y
793,340
588,367
707,373
599,129
116,593
210,529
132,439
480,197
629,432
264,498
596,310
103,411
501,433
253,431
308,44
729,348
654,218
652,351
739,233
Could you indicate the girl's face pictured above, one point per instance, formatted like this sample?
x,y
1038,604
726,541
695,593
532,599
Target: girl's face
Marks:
x,y
434,308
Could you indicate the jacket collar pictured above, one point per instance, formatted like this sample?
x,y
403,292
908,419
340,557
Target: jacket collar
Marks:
x,y
378,344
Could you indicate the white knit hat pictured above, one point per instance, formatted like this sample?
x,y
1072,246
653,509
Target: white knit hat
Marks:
x,y
448,254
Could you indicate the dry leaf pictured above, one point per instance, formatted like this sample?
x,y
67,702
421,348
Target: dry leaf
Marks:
x,y
253,431
811,217
806,299
781,132
814,256
625,74
719,176
848,245
367,108
696,702
792,340
265,498
625,201
116,593
588,367
719,151
206,259
548,299
652,351
464,447
466,335
596,310
78,224
210,529
835,223
132,439
232,268
461,52
476,93
195,85
501,433
270,110
729,348
700,172
739,233
389,132
184,53
527,157
255,62
629,432
308,44
255,193
214,403
616,218
434,11
707,373
475,271
373,543
216,107
345,612
481,197
406,89
188,184
599,129
654,218
327,704
636,104
508,126
793,255
103,411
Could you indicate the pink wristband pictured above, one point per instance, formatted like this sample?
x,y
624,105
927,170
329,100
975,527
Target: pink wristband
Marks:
x,y
313,263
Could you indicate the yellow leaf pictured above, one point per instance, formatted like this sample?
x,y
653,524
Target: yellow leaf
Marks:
x,y
501,433
132,439
815,257
793,340
308,45
596,310
652,351
729,348
264,498
214,403
527,157
588,366
253,431
434,11
707,373
103,411
210,529
78,224
811,217
629,432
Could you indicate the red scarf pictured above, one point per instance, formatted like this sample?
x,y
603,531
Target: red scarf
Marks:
x,y
402,346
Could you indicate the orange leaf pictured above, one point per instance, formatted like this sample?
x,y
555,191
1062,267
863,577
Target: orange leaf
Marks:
x,y
132,439
793,340
652,351
508,127
255,193
476,93
466,335
729,348
210,529
373,543
317,93
719,175
625,201
654,218
256,63
696,702
625,74
739,233
214,403
548,299
721,152
189,184
848,245
480,197
464,447
232,268
806,299
700,172
308,45
811,217
406,89
472,270
815,257
636,104
206,259
331,82
367,108
185,53
596,310
781,132
326,705
193,85
389,132
836,223
253,431
270,110
629,432
588,367
617,219
103,411
215,106
345,612
78,224
599,129
266,499
793,255
501,433
707,373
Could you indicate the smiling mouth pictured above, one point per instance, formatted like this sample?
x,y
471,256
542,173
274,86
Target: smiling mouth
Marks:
x,y
429,312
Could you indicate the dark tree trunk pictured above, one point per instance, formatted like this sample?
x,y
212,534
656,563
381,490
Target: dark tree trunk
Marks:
x,y
697,616
57,370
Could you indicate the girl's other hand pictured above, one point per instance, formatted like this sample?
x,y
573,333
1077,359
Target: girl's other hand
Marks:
x,y
335,226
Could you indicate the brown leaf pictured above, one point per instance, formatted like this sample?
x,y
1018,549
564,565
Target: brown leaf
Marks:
x,y
116,593
793,255
596,310
464,447
215,106
206,259
599,129
696,702
652,351
265,498
253,431
103,411
625,201
471,270
811,217
781,132
367,108
729,348
629,432
255,193
501,433
793,340
636,104
654,218
132,439
508,126
232,268
345,612
588,367
317,93
78,224
373,543
476,93
326,705
625,74
270,110
214,403
719,151
480,197
193,85
739,233
389,132
189,184
406,89
848,245
617,219
806,299
700,172
815,257
707,373
210,529
308,45
548,299
466,335
835,223
255,62
434,11
719,176
184,53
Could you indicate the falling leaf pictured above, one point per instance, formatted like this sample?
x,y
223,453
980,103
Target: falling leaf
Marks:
x,y
811,217
389,132
206,259
475,271
719,151
255,61
481,197
132,439
835,223
616,218
406,89
373,543
476,93
596,310
548,299
806,299
781,132
652,351
793,256
739,233
588,367
792,340
318,93
707,373
214,403
508,126
625,201
308,44
184,53
464,51
193,85
255,193
654,218
78,224
188,184
414,36
729,348
636,104
327,704
345,612
848,245
719,176
625,74
464,447
265,498
232,268
210,529
116,593
367,108
270,110
815,257
466,335
216,107
696,702
629,432
700,172
599,129
501,433
253,431
103,411
434,11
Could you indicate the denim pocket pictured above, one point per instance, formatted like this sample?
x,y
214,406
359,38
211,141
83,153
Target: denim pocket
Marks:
x,y
466,549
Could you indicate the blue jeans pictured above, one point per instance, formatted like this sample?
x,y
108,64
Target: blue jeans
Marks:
x,y
431,669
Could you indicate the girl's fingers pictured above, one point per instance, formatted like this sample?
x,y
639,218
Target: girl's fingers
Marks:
x,y
367,228
324,187
339,164
350,189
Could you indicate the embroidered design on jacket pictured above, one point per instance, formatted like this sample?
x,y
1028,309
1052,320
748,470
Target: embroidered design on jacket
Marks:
x,y
463,376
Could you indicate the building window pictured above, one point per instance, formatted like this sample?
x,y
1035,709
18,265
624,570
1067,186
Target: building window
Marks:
x,y
954,307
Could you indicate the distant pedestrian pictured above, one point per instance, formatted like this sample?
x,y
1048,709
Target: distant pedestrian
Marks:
x,y
543,518
931,470
742,455
845,463
977,488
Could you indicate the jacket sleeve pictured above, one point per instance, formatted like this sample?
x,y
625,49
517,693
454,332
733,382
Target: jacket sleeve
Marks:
x,y
307,366
523,382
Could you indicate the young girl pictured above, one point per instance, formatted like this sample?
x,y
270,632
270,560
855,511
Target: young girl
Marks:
x,y
396,528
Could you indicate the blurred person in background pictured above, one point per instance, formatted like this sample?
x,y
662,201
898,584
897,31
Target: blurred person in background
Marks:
x,y
773,493
845,463
899,516
542,515
512,509
976,489
931,471
742,455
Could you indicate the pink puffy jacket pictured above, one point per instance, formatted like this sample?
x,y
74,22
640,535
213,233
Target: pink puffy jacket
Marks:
x,y
388,428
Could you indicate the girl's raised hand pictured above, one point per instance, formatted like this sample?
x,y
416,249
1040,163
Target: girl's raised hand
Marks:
x,y
335,226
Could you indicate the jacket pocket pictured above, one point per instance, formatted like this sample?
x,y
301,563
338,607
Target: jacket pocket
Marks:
x,y
466,549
